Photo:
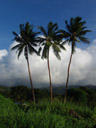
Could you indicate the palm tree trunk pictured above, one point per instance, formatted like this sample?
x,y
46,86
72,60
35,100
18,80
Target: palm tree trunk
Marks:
x,y
31,81
50,79
65,98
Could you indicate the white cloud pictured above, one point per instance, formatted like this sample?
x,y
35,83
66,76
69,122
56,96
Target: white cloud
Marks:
x,y
3,53
83,68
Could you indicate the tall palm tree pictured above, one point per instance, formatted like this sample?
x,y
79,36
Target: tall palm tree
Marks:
x,y
51,38
27,41
76,31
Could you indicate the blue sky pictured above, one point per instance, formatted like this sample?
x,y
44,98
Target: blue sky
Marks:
x,y
40,12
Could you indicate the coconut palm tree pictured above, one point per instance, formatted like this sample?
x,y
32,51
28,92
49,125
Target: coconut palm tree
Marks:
x,y
51,38
27,41
76,31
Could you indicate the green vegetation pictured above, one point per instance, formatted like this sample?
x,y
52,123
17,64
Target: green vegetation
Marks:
x,y
76,113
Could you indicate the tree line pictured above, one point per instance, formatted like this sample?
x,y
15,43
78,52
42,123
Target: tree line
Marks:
x,y
29,41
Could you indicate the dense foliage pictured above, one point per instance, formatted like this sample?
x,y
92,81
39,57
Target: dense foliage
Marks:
x,y
43,114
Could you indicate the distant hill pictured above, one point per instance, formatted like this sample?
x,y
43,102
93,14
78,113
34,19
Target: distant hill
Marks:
x,y
60,89
85,95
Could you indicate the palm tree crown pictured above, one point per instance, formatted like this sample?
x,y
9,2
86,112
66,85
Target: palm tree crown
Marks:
x,y
26,40
52,38
75,32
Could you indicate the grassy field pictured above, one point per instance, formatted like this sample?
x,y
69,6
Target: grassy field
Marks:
x,y
43,114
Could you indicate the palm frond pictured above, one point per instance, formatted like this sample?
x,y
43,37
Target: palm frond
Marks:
x,y
43,30
56,47
45,52
32,49
65,41
41,40
39,50
62,47
76,39
82,23
15,34
15,47
54,27
65,34
84,32
84,39
49,27
77,20
19,50
67,26
71,21
56,50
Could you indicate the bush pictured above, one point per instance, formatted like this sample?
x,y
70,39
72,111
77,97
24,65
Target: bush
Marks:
x,y
77,95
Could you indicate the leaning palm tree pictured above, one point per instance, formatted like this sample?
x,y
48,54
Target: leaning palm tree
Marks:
x,y
27,41
76,32
51,38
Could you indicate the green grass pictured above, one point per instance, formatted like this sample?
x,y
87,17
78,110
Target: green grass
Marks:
x,y
44,115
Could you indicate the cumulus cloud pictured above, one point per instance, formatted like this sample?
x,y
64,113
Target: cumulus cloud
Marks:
x,y
3,53
82,72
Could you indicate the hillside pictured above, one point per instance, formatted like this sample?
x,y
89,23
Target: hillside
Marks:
x,y
45,115
84,95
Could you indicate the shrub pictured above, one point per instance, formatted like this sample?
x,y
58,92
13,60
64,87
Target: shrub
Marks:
x,y
78,95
